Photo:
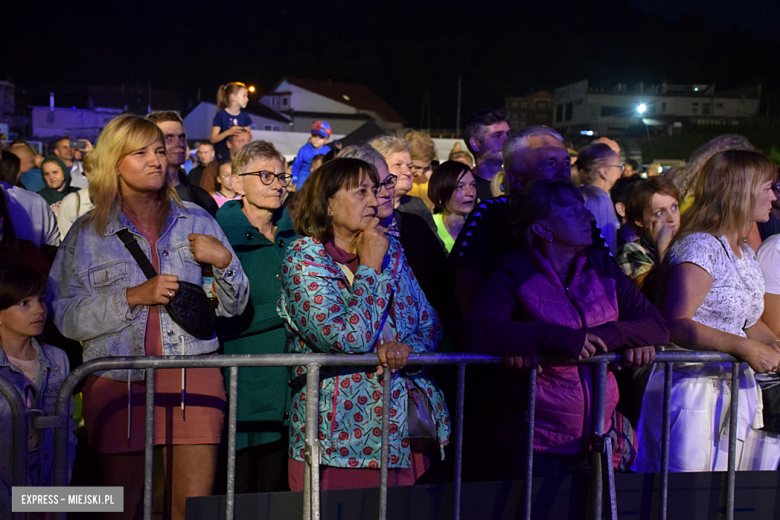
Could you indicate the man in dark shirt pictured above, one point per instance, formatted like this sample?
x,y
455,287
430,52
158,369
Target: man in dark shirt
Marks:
x,y
484,135
172,128
205,155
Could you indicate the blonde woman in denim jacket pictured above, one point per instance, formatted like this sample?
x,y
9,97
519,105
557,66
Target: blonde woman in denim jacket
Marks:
x,y
348,289
103,299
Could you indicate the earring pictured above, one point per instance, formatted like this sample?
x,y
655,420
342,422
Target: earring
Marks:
x,y
550,239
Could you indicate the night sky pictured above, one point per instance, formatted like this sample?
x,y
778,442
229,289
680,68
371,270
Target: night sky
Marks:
x,y
400,49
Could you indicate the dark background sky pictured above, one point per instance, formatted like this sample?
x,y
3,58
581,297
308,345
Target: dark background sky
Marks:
x,y
401,49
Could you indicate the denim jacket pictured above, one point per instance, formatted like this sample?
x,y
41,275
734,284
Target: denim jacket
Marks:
x,y
91,275
52,372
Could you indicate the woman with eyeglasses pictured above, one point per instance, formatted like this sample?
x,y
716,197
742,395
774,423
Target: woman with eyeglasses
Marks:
x,y
348,289
259,230
600,168
424,252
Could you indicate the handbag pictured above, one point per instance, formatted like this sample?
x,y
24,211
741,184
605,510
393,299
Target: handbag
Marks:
x,y
420,421
189,308
770,394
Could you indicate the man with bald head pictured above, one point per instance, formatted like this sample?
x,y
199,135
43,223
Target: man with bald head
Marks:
x,y
30,177
529,155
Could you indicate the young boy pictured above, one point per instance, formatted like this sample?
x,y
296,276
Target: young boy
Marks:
x,y
320,133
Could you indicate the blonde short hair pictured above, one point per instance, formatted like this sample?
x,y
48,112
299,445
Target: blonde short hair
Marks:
x,y
251,152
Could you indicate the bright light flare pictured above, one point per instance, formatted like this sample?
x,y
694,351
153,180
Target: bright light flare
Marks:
x,y
641,108
252,88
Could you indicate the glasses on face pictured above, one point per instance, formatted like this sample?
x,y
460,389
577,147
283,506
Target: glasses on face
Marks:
x,y
267,177
388,185
621,166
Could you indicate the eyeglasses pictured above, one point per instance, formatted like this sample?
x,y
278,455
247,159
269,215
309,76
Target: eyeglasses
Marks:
x,y
388,185
267,177
621,166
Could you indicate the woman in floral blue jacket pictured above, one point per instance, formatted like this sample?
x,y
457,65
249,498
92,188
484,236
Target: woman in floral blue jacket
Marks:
x,y
348,289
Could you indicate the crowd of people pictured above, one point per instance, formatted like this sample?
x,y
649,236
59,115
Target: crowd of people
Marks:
x,y
517,246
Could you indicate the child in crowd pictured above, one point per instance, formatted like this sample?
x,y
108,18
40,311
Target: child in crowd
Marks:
x,y
225,191
320,133
36,370
230,119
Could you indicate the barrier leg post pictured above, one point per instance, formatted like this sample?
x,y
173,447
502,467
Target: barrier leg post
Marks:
x,y
667,422
385,454
598,411
149,444
312,500
529,446
733,411
231,461
459,438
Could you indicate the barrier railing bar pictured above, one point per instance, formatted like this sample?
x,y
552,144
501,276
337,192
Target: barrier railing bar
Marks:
x,y
231,462
384,466
734,410
149,444
667,424
460,399
19,425
529,439
312,437
62,406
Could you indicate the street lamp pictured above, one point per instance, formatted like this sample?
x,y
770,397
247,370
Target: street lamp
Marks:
x,y
641,108
251,88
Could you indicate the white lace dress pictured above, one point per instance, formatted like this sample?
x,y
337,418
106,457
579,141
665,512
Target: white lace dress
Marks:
x,y
701,393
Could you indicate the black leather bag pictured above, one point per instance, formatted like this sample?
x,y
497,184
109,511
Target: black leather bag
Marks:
x,y
770,394
190,307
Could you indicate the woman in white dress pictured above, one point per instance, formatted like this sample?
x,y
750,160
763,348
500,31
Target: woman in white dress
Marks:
x,y
714,301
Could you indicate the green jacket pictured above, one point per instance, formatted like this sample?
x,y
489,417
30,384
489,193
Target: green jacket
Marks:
x,y
263,392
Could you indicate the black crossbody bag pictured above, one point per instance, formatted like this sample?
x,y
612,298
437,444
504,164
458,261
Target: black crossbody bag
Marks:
x,y
189,307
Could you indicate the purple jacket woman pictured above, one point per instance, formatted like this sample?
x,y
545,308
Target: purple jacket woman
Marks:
x,y
553,300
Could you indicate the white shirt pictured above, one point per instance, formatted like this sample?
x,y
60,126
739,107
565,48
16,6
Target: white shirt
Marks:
x,y
32,217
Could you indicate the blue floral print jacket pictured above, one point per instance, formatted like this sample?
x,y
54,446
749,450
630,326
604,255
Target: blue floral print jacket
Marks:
x,y
324,313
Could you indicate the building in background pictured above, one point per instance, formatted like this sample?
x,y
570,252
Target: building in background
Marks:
x,y
345,106
581,108
81,113
532,110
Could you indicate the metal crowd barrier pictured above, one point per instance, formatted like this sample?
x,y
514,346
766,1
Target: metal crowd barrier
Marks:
x,y
313,362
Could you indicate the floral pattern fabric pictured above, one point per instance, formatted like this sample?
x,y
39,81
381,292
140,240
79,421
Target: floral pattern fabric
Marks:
x,y
324,313
736,300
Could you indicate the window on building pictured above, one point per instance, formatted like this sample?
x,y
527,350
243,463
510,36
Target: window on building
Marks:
x,y
705,109
276,128
284,101
524,104
515,104
694,110
569,110
607,111
718,105
663,107
559,114
267,127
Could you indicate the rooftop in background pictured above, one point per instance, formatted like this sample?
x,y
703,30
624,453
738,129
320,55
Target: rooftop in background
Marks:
x,y
359,97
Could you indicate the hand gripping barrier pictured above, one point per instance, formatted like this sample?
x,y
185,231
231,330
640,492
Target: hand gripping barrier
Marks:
x,y
601,475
